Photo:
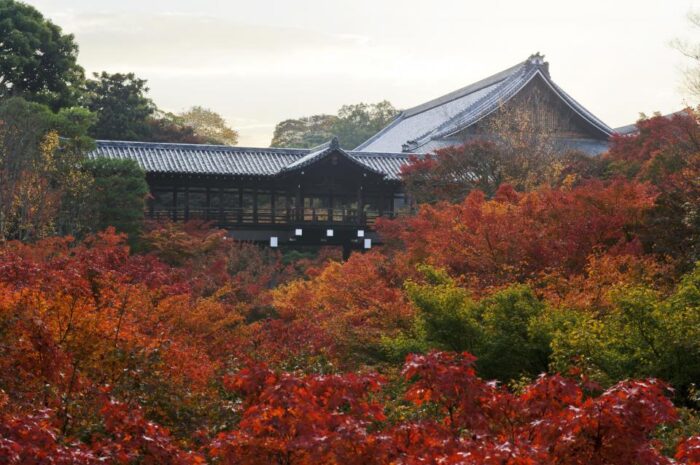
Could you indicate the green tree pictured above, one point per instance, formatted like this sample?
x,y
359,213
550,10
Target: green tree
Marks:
x,y
120,103
644,334
509,332
169,127
305,132
43,188
209,125
357,123
37,61
119,194
516,339
353,125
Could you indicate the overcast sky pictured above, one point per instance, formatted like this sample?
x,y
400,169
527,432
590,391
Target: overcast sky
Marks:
x,y
258,62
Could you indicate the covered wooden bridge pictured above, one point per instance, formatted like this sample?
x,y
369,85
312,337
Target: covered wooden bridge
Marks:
x,y
318,196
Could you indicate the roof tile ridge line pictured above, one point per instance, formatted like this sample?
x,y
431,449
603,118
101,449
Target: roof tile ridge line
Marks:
x,y
304,161
322,153
437,131
586,113
219,148
394,122
573,104
384,155
508,72
512,89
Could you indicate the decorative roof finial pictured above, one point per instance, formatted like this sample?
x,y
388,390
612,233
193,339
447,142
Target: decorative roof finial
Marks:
x,y
334,145
536,59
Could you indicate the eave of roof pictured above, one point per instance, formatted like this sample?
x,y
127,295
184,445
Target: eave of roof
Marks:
x,y
196,159
494,100
496,90
323,151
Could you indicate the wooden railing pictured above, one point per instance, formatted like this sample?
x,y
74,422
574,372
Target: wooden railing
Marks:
x,y
278,216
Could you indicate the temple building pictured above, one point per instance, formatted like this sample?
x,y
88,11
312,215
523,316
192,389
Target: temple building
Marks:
x,y
467,113
324,195
327,195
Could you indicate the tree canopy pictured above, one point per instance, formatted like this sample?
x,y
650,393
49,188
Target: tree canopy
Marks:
x,y
352,125
209,126
37,60
120,103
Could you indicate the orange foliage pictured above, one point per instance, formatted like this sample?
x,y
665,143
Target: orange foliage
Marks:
x,y
515,236
590,289
90,314
350,306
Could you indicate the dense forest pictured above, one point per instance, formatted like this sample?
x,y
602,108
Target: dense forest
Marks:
x,y
513,319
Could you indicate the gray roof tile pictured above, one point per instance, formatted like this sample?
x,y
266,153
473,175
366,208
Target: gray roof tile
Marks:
x,y
169,158
414,129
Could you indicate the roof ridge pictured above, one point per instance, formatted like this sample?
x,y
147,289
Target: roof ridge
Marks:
x,y
449,97
331,147
466,90
360,153
221,148
480,106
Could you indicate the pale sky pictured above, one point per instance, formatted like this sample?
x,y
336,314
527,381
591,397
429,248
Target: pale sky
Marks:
x,y
258,62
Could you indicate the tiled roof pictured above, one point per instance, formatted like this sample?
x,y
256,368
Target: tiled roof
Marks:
x,y
324,150
169,158
631,129
415,129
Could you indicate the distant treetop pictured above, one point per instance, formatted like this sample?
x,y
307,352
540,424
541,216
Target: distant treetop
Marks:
x,y
352,125
38,61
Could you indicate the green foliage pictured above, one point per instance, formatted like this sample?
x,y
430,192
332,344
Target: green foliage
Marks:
x,y
209,125
305,132
43,189
449,316
168,127
37,61
353,125
121,104
509,332
515,340
357,123
120,191
645,334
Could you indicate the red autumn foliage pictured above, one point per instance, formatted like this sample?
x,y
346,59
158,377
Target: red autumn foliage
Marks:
x,y
162,328
292,419
344,310
666,152
88,314
650,152
302,419
689,451
515,236
132,439
35,439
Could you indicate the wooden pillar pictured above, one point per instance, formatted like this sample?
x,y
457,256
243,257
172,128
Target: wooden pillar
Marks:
x,y
187,203
222,220
273,213
360,206
150,205
240,204
380,207
173,213
208,215
347,249
300,206
255,205
330,207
